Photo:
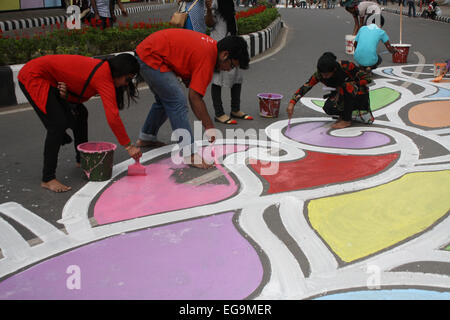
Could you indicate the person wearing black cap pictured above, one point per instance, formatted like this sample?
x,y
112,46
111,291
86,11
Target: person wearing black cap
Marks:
x,y
351,90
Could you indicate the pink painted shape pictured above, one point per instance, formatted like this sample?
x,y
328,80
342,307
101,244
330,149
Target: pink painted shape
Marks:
x,y
137,196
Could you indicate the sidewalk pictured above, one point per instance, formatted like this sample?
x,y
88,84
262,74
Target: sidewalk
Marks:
x,y
16,20
395,8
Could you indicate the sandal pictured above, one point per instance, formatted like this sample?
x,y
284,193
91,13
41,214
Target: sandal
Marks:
x,y
244,116
228,121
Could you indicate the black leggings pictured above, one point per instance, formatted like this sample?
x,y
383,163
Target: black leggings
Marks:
x,y
60,116
216,94
358,102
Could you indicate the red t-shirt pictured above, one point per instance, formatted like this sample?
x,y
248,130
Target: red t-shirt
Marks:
x,y
189,54
39,74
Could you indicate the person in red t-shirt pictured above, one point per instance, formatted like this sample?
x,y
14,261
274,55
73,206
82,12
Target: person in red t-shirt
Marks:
x,y
57,85
169,54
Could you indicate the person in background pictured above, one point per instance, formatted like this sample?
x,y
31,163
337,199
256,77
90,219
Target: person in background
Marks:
x,y
220,17
102,12
350,82
56,86
360,11
366,43
411,7
169,54
196,17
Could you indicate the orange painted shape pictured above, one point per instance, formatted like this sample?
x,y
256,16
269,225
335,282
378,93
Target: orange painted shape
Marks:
x,y
435,114
318,169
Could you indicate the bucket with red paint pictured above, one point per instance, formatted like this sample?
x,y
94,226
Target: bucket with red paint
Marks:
x,y
269,104
401,56
350,44
97,160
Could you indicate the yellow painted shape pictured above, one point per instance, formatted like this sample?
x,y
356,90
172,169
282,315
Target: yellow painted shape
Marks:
x,y
362,223
9,5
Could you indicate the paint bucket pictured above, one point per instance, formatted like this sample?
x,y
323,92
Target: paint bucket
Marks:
x,y
349,41
439,67
97,160
402,55
269,104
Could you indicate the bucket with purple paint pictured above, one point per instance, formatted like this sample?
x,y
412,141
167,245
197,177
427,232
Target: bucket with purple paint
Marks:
x,y
269,104
97,160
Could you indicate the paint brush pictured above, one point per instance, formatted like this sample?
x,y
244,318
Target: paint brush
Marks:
x,y
136,169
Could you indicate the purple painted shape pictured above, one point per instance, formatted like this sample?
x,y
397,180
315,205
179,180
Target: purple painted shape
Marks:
x,y
29,4
197,259
316,133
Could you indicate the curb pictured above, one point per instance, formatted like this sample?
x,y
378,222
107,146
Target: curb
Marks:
x,y
260,41
9,25
12,95
405,13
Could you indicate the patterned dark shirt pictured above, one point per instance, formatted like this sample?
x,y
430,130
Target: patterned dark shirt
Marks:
x,y
354,82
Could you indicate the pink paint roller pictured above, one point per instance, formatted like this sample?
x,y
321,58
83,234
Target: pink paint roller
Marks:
x,y
136,169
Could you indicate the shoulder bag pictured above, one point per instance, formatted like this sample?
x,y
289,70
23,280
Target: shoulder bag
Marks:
x,y
179,18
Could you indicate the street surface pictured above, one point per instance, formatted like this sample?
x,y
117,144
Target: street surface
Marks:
x,y
298,234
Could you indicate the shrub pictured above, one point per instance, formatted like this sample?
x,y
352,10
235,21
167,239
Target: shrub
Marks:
x,y
258,21
93,41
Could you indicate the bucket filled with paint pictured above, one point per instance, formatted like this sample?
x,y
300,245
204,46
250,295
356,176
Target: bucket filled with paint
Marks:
x,y
401,56
439,68
97,160
269,104
349,41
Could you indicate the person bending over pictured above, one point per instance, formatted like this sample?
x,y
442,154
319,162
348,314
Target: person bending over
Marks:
x,y
350,82
166,55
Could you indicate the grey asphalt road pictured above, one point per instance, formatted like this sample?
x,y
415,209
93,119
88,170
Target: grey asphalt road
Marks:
x,y
309,34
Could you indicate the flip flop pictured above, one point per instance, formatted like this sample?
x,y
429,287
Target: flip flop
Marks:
x,y
244,116
228,121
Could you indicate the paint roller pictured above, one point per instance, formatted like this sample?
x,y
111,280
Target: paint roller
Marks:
x,y
136,169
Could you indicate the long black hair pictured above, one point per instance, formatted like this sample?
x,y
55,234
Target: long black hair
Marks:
x,y
122,65
327,62
227,11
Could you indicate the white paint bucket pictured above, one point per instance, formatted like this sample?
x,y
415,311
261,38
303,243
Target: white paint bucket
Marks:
x,y
349,40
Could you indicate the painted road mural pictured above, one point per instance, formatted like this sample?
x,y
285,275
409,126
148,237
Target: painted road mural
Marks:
x,y
311,213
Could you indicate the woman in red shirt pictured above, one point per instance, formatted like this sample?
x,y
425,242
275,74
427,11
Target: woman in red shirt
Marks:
x,y
57,85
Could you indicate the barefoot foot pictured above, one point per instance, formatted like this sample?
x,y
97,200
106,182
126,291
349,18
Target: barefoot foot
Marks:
x,y
149,144
55,186
341,124
197,162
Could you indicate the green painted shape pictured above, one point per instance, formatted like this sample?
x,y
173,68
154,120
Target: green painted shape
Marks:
x,y
448,248
379,98
319,103
382,97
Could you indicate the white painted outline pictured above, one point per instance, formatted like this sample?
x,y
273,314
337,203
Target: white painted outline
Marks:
x,y
286,280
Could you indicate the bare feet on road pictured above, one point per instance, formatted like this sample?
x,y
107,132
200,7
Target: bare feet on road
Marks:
x,y
55,186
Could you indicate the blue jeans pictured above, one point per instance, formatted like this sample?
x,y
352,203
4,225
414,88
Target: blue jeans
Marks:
x,y
170,102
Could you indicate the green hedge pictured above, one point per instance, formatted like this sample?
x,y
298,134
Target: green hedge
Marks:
x,y
96,42
257,22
